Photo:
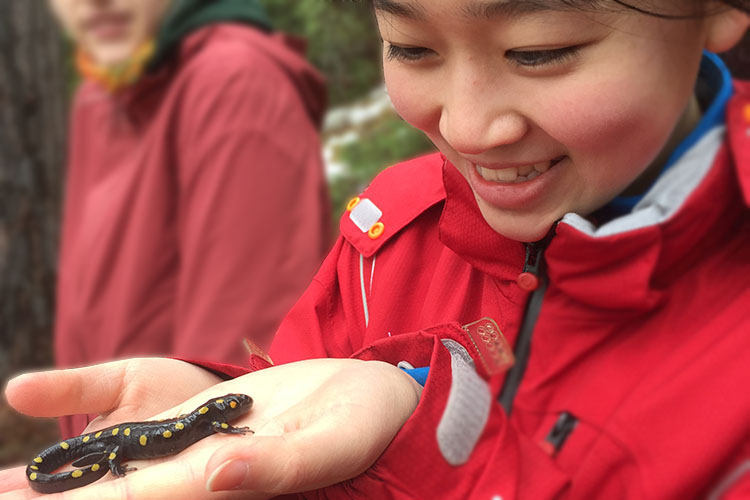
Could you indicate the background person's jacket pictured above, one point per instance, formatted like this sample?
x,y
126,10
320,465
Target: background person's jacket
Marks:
x,y
196,207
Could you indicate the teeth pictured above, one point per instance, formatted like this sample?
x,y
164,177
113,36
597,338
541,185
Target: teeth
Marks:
x,y
498,175
514,175
526,170
542,167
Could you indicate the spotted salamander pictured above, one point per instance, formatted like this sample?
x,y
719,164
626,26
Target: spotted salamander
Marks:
x,y
95,453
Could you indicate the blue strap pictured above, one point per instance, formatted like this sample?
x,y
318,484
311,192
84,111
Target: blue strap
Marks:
x,y
418,374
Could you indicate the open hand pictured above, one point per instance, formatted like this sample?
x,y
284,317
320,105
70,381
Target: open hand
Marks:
x,y
316,423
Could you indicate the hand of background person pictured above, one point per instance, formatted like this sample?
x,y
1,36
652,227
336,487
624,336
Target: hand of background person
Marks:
x,y
316,423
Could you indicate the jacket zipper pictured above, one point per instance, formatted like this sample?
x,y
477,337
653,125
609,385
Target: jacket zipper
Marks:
x,y
534,264
564,426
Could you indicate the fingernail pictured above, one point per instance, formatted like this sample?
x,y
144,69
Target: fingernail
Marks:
x,y
228,476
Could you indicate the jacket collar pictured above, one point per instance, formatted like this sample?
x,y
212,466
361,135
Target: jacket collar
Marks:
x,y
464,230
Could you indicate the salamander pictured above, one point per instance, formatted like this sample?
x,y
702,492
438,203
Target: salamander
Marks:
x,y
95,453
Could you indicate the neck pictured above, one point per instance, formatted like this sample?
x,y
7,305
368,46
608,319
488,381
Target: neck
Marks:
x,y
115,77
687,122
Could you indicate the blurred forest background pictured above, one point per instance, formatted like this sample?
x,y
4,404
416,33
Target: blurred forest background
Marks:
x,y
361,136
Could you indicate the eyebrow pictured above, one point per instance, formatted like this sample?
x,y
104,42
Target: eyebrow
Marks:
x,y
481,9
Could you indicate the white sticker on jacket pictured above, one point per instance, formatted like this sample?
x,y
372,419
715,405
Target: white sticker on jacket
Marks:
x,y
467,410
365,214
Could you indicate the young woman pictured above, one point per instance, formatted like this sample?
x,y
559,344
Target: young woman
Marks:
x,y
570,274
179,151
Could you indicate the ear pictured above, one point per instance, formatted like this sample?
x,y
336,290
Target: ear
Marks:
x,y
725,28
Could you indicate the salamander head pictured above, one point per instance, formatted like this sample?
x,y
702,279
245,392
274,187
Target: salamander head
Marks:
x,y
232,406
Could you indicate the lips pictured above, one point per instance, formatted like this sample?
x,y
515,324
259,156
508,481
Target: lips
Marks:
x,y
516,186
516,174
108,25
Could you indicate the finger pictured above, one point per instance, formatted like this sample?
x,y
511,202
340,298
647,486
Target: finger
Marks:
x,y
66,392
13,483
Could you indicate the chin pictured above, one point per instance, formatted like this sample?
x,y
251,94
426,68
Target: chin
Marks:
x,y
524,228
112,54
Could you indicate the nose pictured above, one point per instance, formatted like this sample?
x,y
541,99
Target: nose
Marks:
x,y
478,116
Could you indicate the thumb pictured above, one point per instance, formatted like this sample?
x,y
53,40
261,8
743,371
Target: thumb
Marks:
x,y
66,392
283,458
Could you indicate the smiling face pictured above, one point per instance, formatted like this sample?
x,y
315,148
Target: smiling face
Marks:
x,y
110,31
544,111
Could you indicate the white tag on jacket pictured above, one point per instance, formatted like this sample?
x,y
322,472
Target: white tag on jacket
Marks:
x,y
365,215
467,410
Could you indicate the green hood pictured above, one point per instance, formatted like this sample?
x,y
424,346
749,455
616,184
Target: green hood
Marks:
x,y
186,16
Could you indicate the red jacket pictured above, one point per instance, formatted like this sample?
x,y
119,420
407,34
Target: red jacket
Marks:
x,y
637,380
196,209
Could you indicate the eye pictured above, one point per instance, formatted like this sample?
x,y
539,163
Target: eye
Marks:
x,y
539,58
407,54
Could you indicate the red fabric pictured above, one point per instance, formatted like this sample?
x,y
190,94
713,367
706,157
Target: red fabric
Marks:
x,y
222,370
196,208
643,336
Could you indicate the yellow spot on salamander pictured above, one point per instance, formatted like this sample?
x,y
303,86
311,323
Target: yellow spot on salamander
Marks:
x,y
32,476
112,455
86,439
115,431
126,431
233,404
34,467
203,410
77,473
95,467
143,440
179,426
167,434
38,460
219,401
224,426
64,445
98,434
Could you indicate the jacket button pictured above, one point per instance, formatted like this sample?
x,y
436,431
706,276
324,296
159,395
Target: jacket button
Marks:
x,y
376,231
352,203
528,281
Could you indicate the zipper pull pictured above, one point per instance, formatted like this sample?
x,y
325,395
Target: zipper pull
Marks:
x,y
529,278
564,426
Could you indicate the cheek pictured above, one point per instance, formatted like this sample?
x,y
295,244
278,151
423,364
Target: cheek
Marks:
x,y
412,97
64,12
610,125
151,13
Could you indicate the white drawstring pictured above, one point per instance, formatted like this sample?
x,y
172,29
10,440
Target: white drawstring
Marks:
x,y
362,284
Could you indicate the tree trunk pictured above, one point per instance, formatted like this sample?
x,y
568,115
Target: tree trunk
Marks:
x,y
32,151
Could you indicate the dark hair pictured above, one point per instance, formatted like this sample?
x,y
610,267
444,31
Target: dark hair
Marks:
x,y
743,5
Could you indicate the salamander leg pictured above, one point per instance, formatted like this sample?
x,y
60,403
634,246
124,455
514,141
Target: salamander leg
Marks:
x,y
115,463
225,428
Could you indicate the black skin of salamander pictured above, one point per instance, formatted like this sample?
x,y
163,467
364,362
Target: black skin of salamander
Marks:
x,y
94,454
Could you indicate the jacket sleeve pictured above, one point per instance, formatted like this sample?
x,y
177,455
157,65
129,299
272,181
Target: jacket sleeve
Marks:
x,y
458,443
252,215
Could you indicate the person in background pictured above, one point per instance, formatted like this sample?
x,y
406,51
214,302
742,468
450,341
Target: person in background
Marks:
x,y
196,208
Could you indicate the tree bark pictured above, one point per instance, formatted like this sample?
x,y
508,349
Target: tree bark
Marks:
x,y
33,97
